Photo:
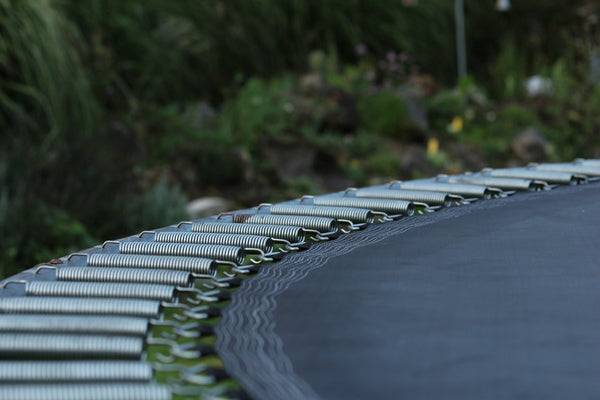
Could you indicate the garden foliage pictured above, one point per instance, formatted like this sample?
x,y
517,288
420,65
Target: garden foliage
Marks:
x,y
114,113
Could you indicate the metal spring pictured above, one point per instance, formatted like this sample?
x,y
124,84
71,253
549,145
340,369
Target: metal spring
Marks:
x,y
69,305
356,215
292,234
165,293
216,252
91,324
238,218
429,198
89,289
263,243
320,224
502,183
132,391
132,275
461,189
587,170
74,371
197,266
388,206
588,163
563,178
69,346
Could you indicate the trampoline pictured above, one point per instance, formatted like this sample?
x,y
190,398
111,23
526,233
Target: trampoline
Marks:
x,y
481,285
495,300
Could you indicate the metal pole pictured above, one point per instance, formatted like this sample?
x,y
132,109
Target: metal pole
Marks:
x,y
461,48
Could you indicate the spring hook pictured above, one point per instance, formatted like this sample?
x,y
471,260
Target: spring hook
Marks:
x,y
231,282
203,375
210,297
194,330
262,257
186,351
199,375
261,205
15,281
200,313
225,214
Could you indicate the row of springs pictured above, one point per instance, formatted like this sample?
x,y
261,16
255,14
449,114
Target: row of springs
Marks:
x,y
124,319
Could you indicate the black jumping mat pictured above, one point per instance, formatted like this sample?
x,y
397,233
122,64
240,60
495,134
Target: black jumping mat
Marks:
x,y
498,299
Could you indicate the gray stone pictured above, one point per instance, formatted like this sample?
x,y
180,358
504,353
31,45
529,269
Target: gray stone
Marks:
x,y
530,146
207,206
202,114
414,161
538,86
470,156
415,107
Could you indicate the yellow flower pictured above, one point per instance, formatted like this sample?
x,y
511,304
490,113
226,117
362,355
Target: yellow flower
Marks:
x,y
456,125
433,145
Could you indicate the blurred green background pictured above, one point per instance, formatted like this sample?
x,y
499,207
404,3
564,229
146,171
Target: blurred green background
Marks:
x,y
115,115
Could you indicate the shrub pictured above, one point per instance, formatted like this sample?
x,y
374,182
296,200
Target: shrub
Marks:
x,y
157,206
384,113
443,107
260,108
384,163
35,233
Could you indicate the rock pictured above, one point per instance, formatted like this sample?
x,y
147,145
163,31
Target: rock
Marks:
x,y
424,84
379,180
397,113
538,86
293,159
207,206
313,82
594,67
202,115
245,160
342,115
415,107
530,146
414,163
470,156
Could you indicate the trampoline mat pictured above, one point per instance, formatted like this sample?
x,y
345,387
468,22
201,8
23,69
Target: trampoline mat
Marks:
x,y
500,299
